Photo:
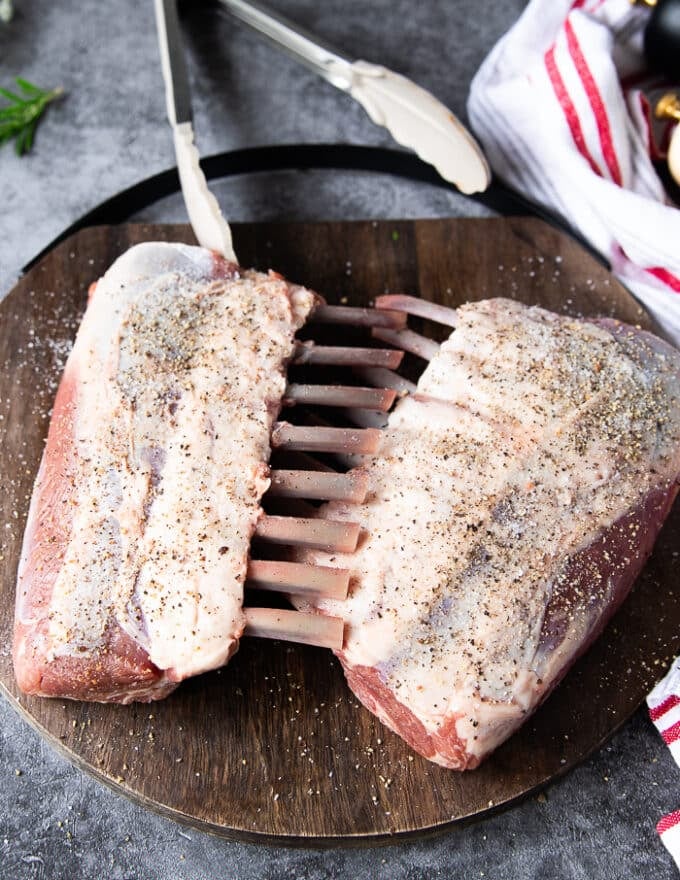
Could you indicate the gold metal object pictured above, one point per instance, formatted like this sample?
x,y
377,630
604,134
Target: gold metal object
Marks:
x,y
650,3
668,107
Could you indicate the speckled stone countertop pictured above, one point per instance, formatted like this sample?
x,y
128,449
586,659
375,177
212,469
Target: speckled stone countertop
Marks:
x,y
107,134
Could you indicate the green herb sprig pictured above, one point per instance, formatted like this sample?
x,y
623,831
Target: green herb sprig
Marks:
x,y
20,119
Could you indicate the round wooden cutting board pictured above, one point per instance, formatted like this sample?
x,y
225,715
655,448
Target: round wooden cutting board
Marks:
x,y
274,747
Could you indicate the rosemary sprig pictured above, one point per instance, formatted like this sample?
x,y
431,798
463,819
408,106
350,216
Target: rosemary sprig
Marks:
x,y
20,118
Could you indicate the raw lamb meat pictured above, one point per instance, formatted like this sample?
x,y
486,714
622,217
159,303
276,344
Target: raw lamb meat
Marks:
x,y
515,498
136,547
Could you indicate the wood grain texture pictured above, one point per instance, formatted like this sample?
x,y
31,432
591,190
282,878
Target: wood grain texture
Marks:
x,y
275,747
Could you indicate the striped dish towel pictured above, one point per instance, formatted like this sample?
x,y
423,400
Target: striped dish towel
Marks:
x,y
564,109
664,710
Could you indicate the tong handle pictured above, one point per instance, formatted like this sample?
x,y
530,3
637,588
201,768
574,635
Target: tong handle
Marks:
x,y
173,64
301,45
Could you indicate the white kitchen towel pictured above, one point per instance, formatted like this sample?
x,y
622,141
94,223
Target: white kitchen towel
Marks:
x,y
664,710
564,109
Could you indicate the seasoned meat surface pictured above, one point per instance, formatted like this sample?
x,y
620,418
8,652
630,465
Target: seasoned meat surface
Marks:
x,y
511,506
135,552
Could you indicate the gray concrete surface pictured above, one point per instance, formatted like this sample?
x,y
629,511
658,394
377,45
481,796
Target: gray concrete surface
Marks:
x,y
110,132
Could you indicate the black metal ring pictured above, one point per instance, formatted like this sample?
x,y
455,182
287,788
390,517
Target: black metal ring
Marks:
x,y
345,157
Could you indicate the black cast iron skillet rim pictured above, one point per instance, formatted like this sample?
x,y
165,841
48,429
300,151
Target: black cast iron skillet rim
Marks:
x,y
339,157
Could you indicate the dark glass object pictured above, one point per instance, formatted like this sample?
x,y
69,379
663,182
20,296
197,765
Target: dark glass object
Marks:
x,y
662,39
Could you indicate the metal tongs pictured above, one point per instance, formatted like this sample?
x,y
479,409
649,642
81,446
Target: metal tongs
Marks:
x,y
414,117
210,228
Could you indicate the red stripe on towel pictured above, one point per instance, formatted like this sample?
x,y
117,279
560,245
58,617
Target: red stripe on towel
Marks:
x,y
668,704
668,822
672,734
568,108
596,103
667,277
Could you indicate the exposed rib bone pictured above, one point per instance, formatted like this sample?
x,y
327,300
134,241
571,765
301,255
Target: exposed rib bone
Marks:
x,y
345,356
298,578
408,340
385,379
340,395
319,439
321,534
358,317
346,458
294,626
320,486
412,305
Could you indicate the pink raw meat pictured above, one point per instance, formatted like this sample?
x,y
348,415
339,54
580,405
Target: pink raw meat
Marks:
x,y
136,546
512,504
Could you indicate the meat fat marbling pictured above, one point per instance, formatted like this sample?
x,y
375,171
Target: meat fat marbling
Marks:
x,y
135,552
512,504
